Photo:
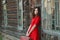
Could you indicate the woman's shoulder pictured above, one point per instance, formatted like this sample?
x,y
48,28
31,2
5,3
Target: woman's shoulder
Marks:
x,y
38,17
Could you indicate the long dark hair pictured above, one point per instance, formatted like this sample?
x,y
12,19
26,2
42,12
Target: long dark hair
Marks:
x,y
39,12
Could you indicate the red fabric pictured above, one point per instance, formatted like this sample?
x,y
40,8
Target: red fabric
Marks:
x,y
35,33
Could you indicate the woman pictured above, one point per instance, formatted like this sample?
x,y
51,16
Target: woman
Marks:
x,y
33,31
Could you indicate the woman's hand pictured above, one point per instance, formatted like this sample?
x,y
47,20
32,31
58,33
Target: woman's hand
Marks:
x,y
27,34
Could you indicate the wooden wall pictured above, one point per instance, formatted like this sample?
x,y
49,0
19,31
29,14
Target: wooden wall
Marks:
x,y
0,13
12,12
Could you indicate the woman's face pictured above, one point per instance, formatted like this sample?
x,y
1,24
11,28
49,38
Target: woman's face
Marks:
x,y
36,11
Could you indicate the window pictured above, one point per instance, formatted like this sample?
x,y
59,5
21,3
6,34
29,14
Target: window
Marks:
x,y
12,15
51,14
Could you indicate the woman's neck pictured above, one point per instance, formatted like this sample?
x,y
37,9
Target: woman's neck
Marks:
x,y
36,15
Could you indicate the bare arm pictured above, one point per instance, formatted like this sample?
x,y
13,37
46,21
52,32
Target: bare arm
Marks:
x,y
28,29
32,28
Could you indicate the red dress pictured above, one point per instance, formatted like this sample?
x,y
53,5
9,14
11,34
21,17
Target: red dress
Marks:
x,y
35,33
